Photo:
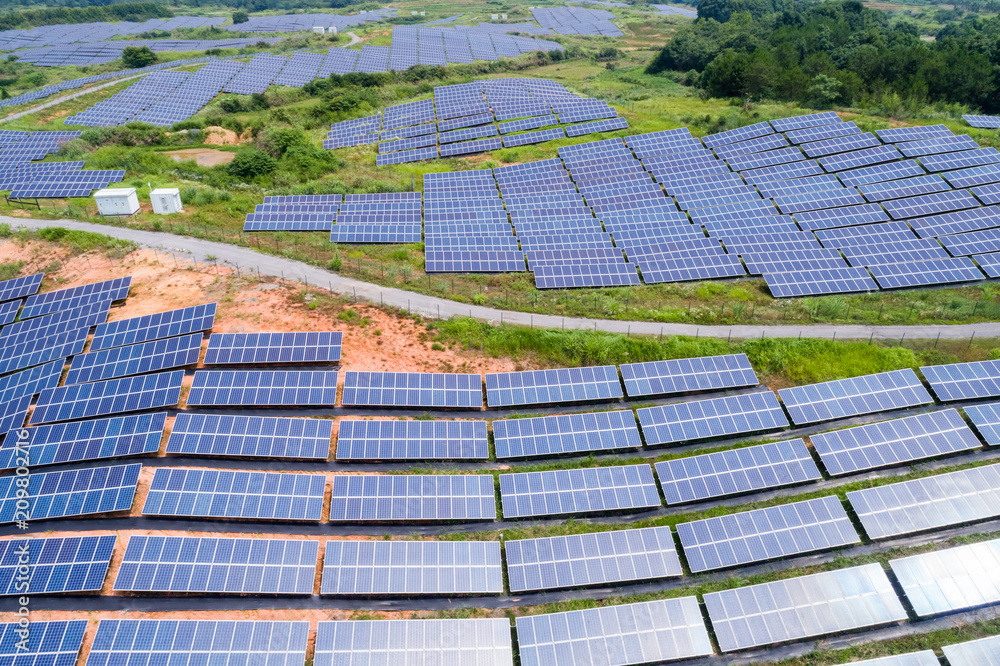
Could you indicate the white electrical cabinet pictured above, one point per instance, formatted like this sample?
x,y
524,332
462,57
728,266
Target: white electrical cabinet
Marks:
x,y
166,200
117,201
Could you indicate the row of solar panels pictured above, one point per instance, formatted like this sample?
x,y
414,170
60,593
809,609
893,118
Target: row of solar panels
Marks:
x,y
810,606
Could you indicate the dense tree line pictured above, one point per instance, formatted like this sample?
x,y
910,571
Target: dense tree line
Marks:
x,y
834,52
131,11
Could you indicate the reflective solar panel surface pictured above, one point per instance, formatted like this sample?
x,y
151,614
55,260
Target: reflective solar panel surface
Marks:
x,y
63,299
470,642
49,643
412,440
857,395
263,387
136,359
578,491
952,579
981,652
766,534
803,607
193,642
218,565
255,348
250,436
112,396
56,564
591,559
182,321
688,374
235,494
19,287
894,442
716,417
736,471
928,503
986,418
75,492
412,567
412,389
114,437
549,386
413,497
964,381
567,433
653,631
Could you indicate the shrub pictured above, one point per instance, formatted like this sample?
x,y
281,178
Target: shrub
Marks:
x,y
134,57
240,16
250,163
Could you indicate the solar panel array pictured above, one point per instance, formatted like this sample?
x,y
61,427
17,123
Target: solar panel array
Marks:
x,y
952,579
412,568
922,504
591,559
648,632
866,394
813,605
475,642
689,374
716,417
982,651
76,492
264,348
766,534
412,440
112,396
964,381
573,491
413,497
217,565
228,494
568,433
533,387
411,389
260,388
894,442
52,643
56,565
190,642
250,436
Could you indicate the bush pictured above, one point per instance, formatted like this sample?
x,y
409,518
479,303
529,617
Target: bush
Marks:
x,y
240,16
231,104
250,163
133,134
134,57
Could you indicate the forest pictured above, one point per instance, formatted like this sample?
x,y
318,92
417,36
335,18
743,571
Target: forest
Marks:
x,y
130,11
834,52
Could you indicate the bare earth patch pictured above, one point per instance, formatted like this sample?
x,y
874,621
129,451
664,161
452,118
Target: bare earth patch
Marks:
x,y
206,157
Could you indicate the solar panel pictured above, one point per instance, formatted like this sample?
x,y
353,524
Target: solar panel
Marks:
x,y
737,135
840,144
55,565
928,204
137,359
242,495
24,384
975,242
897,134
688,374
928,503
573,491
859,158
808,120
75,492
261,388
64,299
886,232
568,433
255,348
112,396
880,173
591,559
412,389
961,160
37,347
115,437
475,642
652,631
866,394
48,643
815,605
812,134
981,652
249,436
895,189
413,497
989,264
950,580
937,145
534,387
964,381
766,534
780,172
217,565
168,324
926,272
989,173
894,442
412,440
736,471
182,642
716,417
841,217
412,568
19,287
986,418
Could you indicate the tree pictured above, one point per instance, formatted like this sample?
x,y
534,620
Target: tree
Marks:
x,y
135,57
250,163
240,16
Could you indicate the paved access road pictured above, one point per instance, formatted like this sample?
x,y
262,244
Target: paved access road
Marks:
x,y
434,307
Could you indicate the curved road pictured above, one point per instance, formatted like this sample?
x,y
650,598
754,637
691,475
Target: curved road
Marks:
x,y
434,307
354,39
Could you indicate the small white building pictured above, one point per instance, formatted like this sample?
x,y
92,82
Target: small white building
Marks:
x,y
503,16
494,16
318,29
117,201
166,200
